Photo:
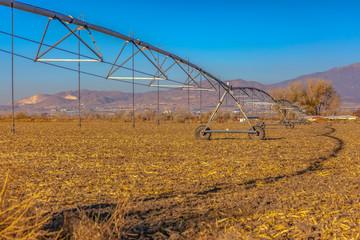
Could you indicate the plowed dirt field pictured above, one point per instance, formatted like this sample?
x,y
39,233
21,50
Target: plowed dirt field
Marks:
x,y
301,183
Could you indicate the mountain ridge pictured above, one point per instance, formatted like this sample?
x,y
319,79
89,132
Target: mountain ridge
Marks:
x,y
346,80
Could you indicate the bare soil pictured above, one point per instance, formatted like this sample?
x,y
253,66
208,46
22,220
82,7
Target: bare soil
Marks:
x,y
300,183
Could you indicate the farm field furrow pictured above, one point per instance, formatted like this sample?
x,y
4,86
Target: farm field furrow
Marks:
x,y
298,183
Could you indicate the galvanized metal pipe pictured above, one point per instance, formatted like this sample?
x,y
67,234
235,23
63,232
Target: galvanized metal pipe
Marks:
x,y
133,83
69,19
229,131
79,79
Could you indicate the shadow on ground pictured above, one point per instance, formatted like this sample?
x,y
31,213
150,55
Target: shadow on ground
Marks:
x,y
157,222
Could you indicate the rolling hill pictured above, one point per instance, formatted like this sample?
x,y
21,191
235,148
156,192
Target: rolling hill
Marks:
x,y
345,79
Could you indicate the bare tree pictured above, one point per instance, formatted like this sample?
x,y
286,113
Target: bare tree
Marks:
x,y
357,113
316,96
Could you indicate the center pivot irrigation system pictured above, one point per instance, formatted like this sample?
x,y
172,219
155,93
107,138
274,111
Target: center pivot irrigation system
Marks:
x,y
156,65
263,104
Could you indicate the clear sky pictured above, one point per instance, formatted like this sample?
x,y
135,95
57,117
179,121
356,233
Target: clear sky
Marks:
x,y
255,40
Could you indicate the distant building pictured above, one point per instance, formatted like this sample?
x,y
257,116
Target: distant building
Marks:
x,y
344,117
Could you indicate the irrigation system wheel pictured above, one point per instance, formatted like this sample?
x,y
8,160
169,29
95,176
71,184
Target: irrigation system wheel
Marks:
x,y
200,135
261,124
259,135
291,125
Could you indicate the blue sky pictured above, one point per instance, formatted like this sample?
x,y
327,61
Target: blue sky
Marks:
x,y
264,41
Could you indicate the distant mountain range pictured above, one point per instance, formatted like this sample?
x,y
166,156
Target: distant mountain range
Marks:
x,y
346,81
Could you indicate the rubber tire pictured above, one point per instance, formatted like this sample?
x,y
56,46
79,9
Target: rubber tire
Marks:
x,y
202,136
259,135
291,125
261,124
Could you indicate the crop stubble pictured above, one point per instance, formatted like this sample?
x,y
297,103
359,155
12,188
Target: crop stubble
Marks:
x,y
298,183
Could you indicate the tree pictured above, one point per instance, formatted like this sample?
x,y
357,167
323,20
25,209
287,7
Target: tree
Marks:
x,y
316,96
357,113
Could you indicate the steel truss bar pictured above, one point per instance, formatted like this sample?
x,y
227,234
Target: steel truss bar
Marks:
x,y
286,123
159,66
256,90
197,75
82,72
172,86
209,81
72,32
216,109
156,66
287,107
251,89
157,73
67,68
54,45
187,82
202,89
254,93
138,78
271,99
244,91
122,49
92,38
170,66
69,19
191,73
228,131
187,73
66,60
122,64
42,39
232,94
64,50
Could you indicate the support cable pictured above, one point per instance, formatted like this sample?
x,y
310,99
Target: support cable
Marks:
x,y
79,77
226,102
158,101
72,69
200,98
82,72
188,93
85,56
12,70
158,92
133,82
219,92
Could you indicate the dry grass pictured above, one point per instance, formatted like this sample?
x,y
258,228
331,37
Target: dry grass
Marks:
x,y
19,220
109,181
85,224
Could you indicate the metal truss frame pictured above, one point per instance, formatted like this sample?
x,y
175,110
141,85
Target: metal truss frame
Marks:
x,y
264,97
141,46
255,132
282,105
287,107
71,32
194,74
